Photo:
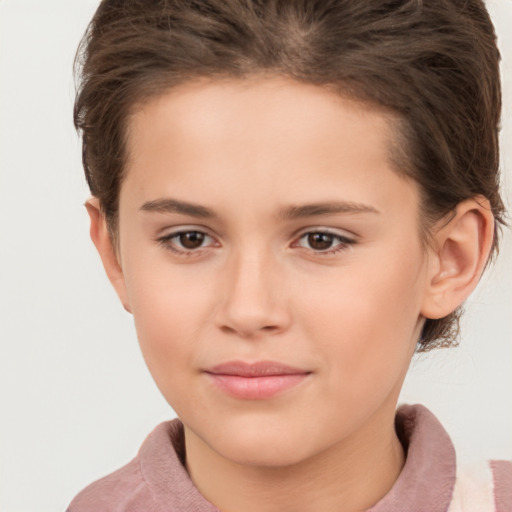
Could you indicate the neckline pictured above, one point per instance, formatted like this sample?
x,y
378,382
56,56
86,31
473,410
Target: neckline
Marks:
x,y
425,483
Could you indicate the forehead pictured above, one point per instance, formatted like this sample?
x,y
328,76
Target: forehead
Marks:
x,y
264,134
262,103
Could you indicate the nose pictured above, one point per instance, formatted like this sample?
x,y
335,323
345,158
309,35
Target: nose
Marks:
x,y
253,302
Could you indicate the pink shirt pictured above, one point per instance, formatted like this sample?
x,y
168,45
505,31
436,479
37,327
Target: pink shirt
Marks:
x,y
156,479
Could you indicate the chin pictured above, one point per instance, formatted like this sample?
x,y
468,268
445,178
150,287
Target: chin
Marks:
x,y
262,446
263,455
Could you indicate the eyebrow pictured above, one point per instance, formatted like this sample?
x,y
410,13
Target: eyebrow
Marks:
x,y
169,205
330,208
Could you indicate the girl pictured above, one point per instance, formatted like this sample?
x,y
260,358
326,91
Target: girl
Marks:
x,y
291,198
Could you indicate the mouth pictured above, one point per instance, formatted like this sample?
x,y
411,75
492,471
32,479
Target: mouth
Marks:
x,y
255,381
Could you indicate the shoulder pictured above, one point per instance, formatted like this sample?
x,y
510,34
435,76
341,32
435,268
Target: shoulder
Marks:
x,y
112,492
433,479
132,486
483,488
502,484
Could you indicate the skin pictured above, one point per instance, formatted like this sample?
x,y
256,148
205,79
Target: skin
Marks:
x,y
257,287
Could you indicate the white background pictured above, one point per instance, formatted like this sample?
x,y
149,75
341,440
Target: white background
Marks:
x,y
76,398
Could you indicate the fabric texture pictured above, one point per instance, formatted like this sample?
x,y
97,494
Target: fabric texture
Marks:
x,y
473,490
156,480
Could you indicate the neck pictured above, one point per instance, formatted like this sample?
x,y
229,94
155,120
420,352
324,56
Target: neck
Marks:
x,y
350,476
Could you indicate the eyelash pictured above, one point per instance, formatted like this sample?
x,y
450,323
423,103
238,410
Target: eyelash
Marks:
x,y
167,242
343,242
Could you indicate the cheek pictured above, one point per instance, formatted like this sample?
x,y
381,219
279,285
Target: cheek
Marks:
x,y
365,319
170,309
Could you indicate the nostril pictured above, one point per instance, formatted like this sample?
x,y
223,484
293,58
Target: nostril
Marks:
x,y
248,331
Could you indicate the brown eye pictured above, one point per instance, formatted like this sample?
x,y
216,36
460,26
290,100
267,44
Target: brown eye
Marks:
x,y
191,239
324,242
320,241
187,242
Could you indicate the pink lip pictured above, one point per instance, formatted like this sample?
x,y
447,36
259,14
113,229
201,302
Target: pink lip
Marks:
x,y
255,381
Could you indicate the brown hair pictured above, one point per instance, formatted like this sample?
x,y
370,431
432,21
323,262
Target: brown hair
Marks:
x,y
434,63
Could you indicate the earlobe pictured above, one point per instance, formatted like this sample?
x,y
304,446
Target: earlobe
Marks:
x,y
102,240
462,247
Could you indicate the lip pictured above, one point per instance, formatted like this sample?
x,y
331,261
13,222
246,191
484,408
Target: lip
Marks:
x,y
255,381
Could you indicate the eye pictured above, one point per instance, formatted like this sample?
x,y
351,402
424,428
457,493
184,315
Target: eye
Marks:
x,y
324,242
186,241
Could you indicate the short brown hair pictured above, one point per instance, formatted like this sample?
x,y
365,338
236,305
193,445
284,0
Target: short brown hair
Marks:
x,y
434,63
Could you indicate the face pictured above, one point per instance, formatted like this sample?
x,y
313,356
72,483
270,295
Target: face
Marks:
x,y
272,261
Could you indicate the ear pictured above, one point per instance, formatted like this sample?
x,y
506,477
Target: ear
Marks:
x,y
461,248
101,238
